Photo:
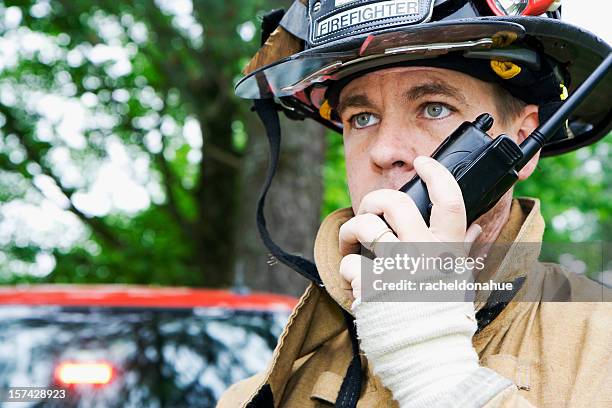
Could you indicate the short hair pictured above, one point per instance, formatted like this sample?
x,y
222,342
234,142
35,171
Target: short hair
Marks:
x,y
508,106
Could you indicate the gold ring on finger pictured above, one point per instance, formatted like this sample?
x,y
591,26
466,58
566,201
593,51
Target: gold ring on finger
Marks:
x,y
379,236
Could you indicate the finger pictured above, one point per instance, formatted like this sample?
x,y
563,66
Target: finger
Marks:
x,y
472,234
350,270
364,229
448,220
345,286
399,211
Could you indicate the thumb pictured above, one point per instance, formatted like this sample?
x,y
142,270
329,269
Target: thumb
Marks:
x,y
471,235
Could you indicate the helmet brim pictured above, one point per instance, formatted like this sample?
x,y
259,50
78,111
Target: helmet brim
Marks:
x,y
576,49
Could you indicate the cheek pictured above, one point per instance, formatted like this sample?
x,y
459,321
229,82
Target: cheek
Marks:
x,y
434,134
358,173
499,129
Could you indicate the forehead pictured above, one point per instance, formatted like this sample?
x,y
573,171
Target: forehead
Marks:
x,y
401,78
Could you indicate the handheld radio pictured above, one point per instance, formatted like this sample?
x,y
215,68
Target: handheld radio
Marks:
x,y
486,168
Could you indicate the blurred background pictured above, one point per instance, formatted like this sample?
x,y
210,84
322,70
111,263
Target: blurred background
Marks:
x,y
126,158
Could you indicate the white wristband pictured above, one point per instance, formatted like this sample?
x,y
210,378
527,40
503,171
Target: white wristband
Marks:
x,y
419,350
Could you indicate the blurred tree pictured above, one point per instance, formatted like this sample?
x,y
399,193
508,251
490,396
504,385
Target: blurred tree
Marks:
x,y
293,205
125,157
576,194
148,84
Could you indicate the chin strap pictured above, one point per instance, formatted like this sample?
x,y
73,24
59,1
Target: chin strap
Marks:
x,y
350,389
267,111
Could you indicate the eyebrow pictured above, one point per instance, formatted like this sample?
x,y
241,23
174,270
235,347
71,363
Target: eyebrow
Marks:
x,y
435,88
353,101
412,94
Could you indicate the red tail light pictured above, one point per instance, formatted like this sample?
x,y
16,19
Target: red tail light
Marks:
x,y
521,7
69,373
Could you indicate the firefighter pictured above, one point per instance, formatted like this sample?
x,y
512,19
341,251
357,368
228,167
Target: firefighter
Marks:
x,y
396,78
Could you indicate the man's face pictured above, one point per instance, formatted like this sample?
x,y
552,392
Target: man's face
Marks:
x,y
394,115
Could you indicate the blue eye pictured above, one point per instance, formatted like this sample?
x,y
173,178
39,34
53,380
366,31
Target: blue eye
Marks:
x,y
436,111
363,120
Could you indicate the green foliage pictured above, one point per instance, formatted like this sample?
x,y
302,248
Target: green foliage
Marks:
x,y
155,85
575,191
335,194
153,79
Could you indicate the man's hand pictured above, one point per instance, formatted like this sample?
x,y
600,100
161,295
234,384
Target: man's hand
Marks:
x,y
447,221
421,351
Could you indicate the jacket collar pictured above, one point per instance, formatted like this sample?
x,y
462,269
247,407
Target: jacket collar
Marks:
x,y
316,319
525,225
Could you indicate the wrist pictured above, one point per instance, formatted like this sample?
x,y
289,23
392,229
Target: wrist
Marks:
x,y
418,350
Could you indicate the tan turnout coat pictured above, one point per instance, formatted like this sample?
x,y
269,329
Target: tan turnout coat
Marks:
x,y
556,354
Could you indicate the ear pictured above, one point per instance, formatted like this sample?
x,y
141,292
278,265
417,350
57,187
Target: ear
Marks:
x,y
526,123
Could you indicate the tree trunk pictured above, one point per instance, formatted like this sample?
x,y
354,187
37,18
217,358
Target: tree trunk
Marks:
x,y
293,205
216,198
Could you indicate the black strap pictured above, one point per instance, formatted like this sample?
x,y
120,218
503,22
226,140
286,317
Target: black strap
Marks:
x,y
263,398
267,111
350,389
496,303
269,22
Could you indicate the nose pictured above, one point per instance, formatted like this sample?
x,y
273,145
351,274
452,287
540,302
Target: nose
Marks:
x,y
393,149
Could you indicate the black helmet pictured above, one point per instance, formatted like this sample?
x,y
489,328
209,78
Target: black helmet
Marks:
x,y
322,45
